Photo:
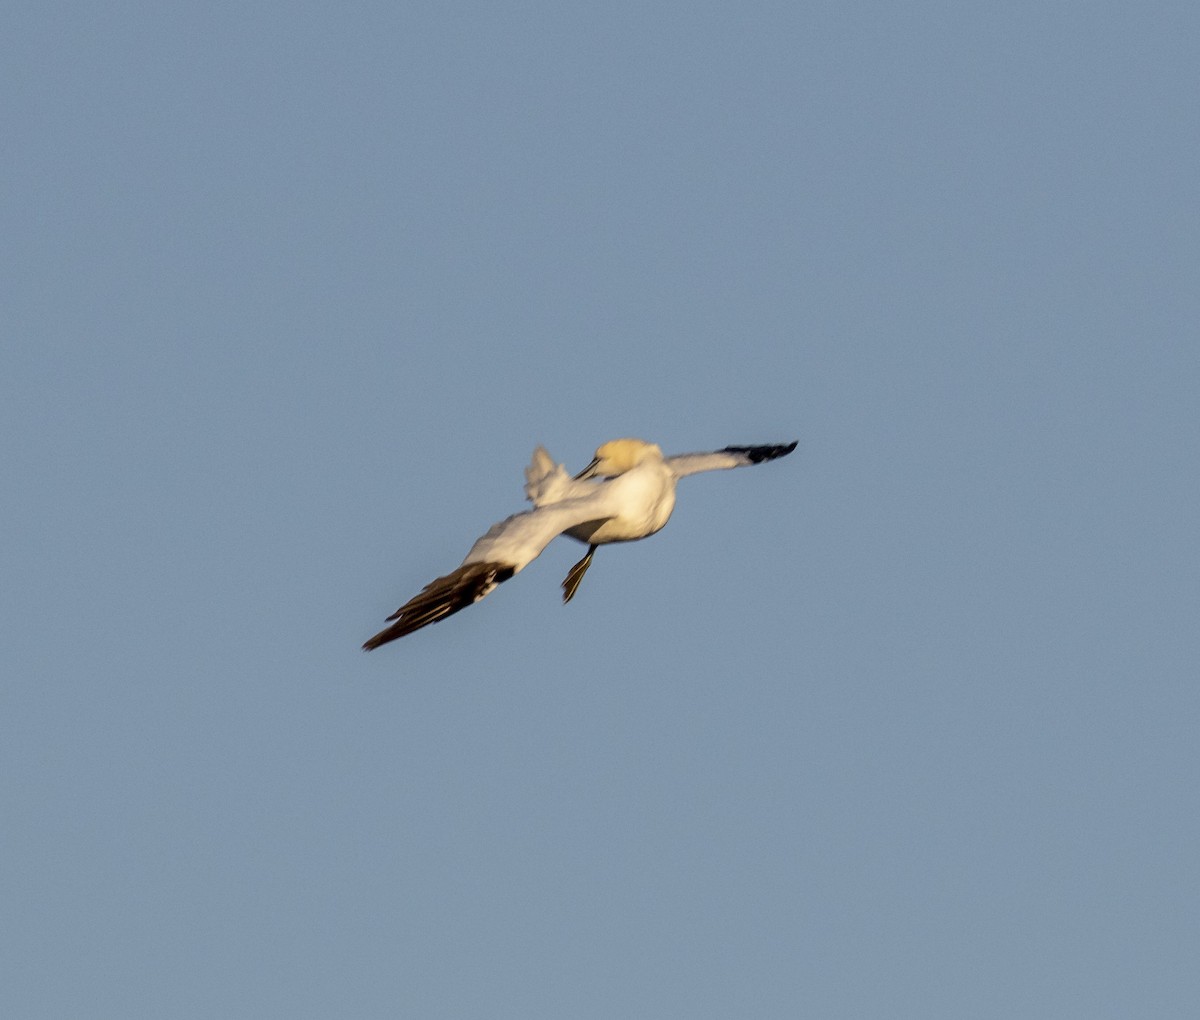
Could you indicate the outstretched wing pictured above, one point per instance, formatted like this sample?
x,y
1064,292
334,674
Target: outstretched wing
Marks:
x,y
440,598
730,457
505,549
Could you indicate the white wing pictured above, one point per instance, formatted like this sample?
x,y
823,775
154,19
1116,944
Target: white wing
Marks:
x,y
730,457
518,540
506,548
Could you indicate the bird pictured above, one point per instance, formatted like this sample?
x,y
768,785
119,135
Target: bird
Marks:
x,y
626,493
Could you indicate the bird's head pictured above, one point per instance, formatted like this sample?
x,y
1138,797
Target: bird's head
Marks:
x,y
618,456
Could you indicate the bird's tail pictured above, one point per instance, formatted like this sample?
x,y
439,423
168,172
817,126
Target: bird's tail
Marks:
x,y
545,481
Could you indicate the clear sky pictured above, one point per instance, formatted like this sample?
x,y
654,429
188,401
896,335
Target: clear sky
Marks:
x,y
906,725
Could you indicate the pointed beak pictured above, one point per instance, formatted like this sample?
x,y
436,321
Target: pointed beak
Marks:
x,y
588,471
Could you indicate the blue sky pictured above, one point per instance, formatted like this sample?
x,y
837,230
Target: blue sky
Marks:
x,y
904,725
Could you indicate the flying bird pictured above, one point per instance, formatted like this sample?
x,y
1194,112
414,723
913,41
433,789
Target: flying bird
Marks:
x,y
627,492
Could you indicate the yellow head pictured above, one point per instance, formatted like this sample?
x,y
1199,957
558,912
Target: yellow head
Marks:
x,y
618,456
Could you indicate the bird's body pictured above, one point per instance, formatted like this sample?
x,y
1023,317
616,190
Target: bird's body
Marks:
x,y
643,496
626,493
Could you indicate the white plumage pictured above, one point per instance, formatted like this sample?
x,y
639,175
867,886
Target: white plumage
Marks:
x,y
627,492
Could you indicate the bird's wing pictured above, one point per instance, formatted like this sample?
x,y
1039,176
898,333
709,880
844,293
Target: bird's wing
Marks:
x,y
730,457
505,548
520,539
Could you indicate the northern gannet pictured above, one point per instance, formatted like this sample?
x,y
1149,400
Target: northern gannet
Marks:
x,y
627,492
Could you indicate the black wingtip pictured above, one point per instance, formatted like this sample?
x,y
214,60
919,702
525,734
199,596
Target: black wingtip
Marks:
x,y
441,598
759,454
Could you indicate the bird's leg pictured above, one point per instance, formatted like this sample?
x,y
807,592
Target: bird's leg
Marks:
x,y
575,575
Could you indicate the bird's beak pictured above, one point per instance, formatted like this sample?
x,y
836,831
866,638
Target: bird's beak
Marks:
x,y
588,471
